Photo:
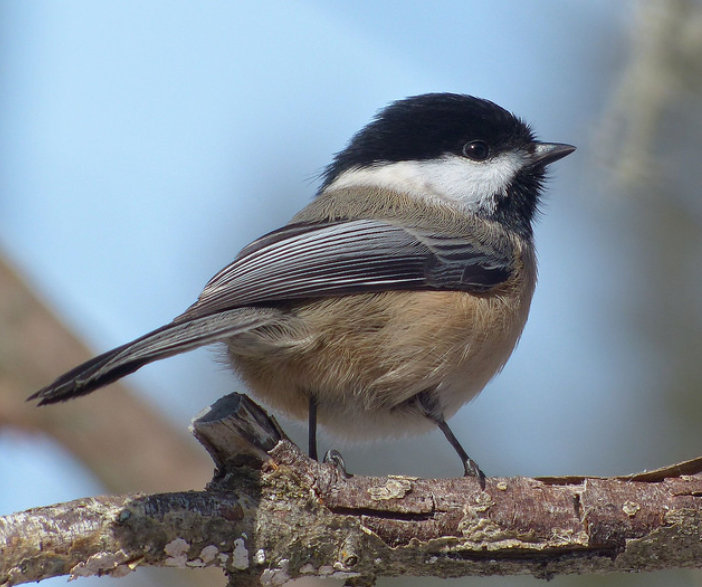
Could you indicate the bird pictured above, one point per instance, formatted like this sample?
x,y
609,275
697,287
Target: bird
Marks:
x,y
394,296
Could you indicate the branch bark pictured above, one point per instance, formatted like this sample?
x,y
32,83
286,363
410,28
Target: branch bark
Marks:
x,y
271,514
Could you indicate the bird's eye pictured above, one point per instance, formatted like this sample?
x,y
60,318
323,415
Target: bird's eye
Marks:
x,y
476,150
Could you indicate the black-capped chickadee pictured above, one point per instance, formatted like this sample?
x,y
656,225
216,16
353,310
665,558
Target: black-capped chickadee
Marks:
x,y
394,296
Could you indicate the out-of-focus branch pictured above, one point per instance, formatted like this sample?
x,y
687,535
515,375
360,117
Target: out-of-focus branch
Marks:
x,y
106,432
271,514
663,73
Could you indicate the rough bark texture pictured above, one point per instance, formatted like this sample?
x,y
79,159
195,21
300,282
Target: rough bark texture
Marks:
x,y
270,514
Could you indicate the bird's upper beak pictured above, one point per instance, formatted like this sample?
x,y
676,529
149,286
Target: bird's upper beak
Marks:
x,y
547,153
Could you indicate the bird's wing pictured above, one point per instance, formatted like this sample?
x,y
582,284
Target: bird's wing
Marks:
x,y
320,260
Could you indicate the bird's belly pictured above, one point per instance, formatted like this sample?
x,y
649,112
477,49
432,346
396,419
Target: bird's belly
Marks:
x,y
366,357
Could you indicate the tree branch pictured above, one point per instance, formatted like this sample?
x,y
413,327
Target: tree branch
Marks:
x,y
105,431
271,514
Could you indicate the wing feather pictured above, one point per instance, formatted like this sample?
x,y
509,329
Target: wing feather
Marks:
x,y
320,260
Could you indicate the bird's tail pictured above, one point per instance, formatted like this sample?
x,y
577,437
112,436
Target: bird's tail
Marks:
x,y
172,339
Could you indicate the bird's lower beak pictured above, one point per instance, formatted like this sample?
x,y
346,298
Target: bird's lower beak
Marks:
x,y
547,153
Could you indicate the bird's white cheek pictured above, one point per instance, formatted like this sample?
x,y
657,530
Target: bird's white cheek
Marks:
x,y
472,185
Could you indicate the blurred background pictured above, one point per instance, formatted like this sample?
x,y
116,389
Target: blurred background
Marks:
x,y
143,144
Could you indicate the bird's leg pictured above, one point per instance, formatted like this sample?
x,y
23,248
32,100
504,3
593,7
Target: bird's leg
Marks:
x,y
470,467
429,407
334,458
312,428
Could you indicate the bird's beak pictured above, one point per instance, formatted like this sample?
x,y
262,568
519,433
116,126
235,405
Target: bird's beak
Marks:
x,y
547,153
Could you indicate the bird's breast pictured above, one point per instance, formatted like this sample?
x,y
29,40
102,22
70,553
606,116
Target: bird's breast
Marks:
x,y
365,356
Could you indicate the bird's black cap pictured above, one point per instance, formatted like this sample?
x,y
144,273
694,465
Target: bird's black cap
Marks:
x,y
429,126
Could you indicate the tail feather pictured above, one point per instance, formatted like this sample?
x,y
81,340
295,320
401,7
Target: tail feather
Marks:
x,y
169,340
